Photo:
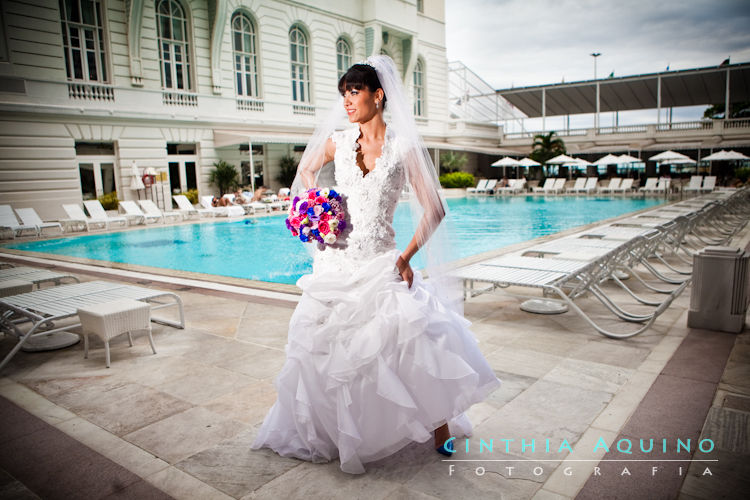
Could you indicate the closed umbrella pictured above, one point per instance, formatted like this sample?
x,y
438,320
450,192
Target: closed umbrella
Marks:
x,y
136,182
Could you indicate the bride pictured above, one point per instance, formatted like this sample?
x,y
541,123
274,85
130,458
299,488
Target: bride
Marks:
x,y
377,357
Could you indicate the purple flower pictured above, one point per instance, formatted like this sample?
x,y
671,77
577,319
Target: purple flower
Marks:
x,y
303,207
342,225
295,201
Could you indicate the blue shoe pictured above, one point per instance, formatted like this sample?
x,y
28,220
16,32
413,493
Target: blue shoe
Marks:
x,y
443,450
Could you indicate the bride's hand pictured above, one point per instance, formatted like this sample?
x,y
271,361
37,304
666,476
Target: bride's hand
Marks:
x,y
404,269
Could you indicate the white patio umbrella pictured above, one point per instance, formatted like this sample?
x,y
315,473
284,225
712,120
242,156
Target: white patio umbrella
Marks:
x,y
505,162
528,162
610,159
669,157
561,160
136,182
725,155
629,159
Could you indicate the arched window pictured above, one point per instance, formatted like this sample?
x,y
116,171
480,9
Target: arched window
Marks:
x,y
174,47
343,56
418,84
300,65
83,40
245,56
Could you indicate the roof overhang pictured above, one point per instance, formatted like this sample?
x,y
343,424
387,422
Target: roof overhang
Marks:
x,y
224,138
691,87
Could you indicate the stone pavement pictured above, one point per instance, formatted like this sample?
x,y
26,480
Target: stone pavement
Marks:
x,y
182,420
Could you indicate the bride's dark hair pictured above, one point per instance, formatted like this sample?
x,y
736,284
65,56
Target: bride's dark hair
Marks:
x,y
360,76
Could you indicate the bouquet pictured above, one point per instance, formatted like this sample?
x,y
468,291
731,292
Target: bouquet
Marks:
x,y
317,216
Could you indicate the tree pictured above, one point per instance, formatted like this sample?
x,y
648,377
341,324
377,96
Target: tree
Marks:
x,y
546,147
224,176
288,170
452,162
736,110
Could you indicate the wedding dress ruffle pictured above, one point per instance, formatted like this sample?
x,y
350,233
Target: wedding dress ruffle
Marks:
x,y
371,366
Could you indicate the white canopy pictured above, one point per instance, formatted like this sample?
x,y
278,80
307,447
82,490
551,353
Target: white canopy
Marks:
x,y
506,162
629,159
528,162
610,159
725,155
562,160
670,157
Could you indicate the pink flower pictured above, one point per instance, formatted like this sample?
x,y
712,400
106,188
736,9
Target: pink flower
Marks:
x,y
324,216
320,200
311,195
296,222
323,227
340,216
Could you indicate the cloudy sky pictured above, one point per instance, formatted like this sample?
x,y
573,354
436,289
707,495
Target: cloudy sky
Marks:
x,y
513,43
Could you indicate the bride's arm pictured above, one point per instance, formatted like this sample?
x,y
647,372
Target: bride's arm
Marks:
x,y
434,212
317,160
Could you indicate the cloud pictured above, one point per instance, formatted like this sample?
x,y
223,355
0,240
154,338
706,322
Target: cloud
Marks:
x,y
533,42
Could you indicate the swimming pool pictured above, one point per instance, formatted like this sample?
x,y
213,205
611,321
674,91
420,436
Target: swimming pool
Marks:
x,y
262,249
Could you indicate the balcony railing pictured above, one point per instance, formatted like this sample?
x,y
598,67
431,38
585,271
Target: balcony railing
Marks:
x,y
249,104
623,129
302,109
737,123
694,125
179,98
91,91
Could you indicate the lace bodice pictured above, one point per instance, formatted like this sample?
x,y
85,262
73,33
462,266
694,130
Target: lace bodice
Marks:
x,y
371,199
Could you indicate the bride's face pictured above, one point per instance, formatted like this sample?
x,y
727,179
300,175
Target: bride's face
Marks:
x,y
360,104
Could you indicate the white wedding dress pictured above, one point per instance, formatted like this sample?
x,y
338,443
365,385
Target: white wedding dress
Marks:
x,y
371,363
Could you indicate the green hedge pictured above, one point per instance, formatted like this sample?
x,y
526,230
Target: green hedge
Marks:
x,y
192,195
456,180
109,201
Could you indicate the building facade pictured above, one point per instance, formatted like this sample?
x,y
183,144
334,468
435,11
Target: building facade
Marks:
x,y
94,92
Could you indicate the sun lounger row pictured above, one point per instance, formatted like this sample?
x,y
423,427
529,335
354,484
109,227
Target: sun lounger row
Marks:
x,y
659,243
701,184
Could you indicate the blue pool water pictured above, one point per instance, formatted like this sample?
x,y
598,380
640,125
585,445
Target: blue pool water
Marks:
x,y
262,249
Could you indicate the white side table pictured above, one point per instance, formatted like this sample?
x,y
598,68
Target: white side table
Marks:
x,y
110,319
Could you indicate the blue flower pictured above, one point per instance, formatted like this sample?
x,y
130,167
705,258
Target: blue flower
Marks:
x,y
303,238
326,207
333,194
310,211
315,232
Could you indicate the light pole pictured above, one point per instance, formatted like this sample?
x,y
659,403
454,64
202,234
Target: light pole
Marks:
x,y
595,55
596,117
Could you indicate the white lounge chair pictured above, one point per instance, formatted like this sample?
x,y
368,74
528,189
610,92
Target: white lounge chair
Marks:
x,y
590,186
557,187
29,217
97,212
152,210
549,183
626,186
42,308
709,184
184,207
694,185
8,220
614,183
479,187
35,275
578,186
134,214
514,186
490,186
77,216
650,186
